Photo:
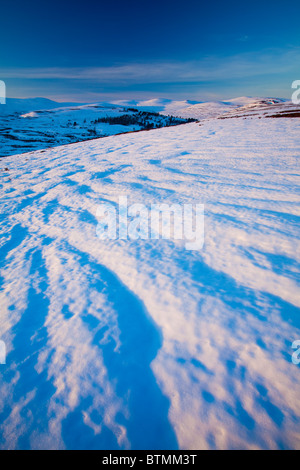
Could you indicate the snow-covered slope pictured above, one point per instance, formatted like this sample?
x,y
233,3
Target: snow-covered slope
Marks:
x,y
200,110
263,108
159,105
39,123
143,344
20,105
36,124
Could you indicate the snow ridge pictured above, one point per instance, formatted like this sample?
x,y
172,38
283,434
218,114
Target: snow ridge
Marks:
x,y
142,344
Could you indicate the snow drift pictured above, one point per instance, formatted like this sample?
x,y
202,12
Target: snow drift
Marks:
x,y
143,344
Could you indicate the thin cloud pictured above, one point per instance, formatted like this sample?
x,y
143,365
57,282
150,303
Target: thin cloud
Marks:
x,y
272,62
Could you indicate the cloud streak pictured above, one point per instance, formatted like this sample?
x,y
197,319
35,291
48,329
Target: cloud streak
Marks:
x,y
209,69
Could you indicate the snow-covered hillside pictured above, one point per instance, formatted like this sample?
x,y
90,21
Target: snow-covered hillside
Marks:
x,y
143,344
39,123
203,110
36,124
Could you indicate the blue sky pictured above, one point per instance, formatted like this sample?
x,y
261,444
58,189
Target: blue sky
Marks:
x,y
105,50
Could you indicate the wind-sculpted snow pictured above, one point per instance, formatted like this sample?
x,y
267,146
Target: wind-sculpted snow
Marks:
x,y
142,343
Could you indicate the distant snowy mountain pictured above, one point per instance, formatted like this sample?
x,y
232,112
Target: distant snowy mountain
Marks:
x,y
40,123
198,110
163,106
